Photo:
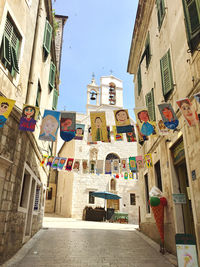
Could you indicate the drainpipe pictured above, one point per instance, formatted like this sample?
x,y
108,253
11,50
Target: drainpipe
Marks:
x,y
32,81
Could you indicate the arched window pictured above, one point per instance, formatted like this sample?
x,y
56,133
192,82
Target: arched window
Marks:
x,y
112,94
112,156
113,184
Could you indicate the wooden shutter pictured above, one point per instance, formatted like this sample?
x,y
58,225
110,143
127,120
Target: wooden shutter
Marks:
x,y
139,80
160,11
166,73
47,38
151,105
147,51
52,75
55,99
6,49
37,198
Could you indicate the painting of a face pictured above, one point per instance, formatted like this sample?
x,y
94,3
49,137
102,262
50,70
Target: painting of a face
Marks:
x,y
3,108
98,122
62,161
29,111
76,165
143,116
121,116
56,161
132,163
167,113
79,132
49,126
84,165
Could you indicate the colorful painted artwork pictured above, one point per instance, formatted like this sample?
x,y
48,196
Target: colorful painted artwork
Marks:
x,y
92,166
132,164
49,126
69,164
148,160
115,166
141,137
6,106
67,125
50,161
146,126
117,136
29,118
168,116
126,175
188,111
130,175
108,134
123,165
89,141
61,163
122,121
139,162
44,158
55,163
79,131
163,130
85,166
98,125
197,97
131,137
108,166
76,166
99,169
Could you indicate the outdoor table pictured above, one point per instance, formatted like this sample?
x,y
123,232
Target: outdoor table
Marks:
x,y
120,217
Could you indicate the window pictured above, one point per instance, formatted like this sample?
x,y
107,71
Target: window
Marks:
x,y
139,80
10,47
150,105
38,98
147,52
37,198
113,184
91,198
25,190
158,175
160,11
112,94
132,199
47,39
166,75
49,193
192,21
52,75
147,192
55,99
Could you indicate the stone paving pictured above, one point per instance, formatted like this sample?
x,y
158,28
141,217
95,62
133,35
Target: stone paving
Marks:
x,y
67,242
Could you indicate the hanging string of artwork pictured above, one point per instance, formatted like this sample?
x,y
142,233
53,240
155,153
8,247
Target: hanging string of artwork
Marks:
x,y
99,131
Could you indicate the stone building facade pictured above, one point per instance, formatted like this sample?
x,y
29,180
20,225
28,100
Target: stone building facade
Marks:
x,y
27,54
74,189
165,60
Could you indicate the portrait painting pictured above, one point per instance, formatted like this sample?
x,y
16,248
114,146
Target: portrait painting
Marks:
x,y
89,140
50,161
55,162
68,166
98,125
67,125
61,163
108,166
163,130
76,166
148,160
123,165
122,121
130,136
79,131
115,166
168,116
99,169
188,111
49,126
85,166
139,162
132,164
29,118
146,126
6,106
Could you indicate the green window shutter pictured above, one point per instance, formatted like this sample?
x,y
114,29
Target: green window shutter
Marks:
x,y
148,51
14,60
47,37
139,80
55,99
38,98
160,11
166,73
52,75
6,49
192,22
151,105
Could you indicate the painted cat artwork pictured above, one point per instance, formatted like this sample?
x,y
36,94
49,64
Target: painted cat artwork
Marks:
x,y
6,106
49,126
67,126
168,116
122,121
29,118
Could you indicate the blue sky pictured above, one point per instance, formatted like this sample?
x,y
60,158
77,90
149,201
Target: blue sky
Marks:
x,y
97,38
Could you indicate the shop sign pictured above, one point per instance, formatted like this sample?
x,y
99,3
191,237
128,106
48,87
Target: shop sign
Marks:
x,y
186,250
178,152
179,198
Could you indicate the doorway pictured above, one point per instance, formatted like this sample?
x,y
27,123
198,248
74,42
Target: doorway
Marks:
x,y
184,188
113,204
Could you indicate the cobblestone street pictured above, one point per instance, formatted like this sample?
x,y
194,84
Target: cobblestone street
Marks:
x,y
67,242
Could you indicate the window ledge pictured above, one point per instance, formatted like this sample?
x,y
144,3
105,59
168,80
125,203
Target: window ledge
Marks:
x,y
5,162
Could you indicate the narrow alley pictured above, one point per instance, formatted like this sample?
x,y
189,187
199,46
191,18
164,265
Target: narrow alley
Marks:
x,y
69,242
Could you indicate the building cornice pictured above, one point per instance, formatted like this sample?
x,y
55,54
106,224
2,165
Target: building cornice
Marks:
x,y
143,15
